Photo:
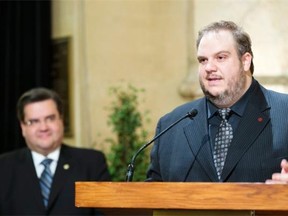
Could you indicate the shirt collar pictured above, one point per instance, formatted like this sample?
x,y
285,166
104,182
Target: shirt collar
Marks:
x,y
38,158
240,105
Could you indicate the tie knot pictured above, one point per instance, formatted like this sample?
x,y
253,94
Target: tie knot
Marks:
x,y
46,162
224,112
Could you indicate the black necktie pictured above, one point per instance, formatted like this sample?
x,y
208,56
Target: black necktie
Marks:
x,y
46,180
222,141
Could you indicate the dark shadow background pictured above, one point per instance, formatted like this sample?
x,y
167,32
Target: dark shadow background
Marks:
x,y
25,60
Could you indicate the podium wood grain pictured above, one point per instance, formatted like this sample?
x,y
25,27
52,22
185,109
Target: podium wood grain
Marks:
x,y
265,199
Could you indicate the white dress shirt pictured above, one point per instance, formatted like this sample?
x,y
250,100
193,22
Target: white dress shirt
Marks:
x,y
38,158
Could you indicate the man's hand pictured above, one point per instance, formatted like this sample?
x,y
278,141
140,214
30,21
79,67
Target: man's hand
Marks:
x,y
280,178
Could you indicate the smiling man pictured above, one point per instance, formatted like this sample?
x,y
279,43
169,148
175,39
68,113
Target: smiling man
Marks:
x,y
40,179
42,126
240,132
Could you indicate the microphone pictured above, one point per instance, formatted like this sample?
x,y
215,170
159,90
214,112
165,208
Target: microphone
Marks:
x,y
130,169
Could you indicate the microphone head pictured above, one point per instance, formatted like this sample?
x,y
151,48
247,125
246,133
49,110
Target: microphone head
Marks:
x,y
192,113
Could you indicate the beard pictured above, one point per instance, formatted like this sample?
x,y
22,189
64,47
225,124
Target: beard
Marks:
x,y
230,95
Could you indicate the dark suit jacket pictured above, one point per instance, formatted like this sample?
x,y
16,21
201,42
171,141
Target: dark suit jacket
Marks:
x,y
258,146
19,186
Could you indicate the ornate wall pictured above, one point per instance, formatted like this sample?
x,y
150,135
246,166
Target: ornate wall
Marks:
x,y
151,44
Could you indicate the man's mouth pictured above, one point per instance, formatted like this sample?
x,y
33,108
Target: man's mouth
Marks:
x,y
213,78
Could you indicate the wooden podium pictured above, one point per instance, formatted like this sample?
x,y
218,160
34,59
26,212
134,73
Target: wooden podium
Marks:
x,y
170,198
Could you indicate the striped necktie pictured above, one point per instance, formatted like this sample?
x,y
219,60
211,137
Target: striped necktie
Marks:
x,y
46,180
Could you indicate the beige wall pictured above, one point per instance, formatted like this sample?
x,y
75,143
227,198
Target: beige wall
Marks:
x,y
150,44
138,42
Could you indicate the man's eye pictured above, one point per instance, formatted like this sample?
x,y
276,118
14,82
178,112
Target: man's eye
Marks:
x,y
32,122
221,58
201,61
51,118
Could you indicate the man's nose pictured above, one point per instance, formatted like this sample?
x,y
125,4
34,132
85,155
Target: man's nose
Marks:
x,y
43,125
210,66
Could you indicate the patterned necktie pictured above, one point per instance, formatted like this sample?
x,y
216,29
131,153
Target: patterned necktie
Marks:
x,y
222,141
46,180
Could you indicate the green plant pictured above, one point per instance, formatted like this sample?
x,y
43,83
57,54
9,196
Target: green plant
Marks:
x,y
127,123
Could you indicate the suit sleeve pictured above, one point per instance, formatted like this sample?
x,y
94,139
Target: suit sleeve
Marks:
x,y
102,168
153,173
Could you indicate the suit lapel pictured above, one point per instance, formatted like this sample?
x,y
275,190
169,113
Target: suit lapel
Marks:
x,y
198,139
196,148
252,123
62,173
26,171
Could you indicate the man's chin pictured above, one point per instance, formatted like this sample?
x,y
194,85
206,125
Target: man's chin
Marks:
x,y
213,94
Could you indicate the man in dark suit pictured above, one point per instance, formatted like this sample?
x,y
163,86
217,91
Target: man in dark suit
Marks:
x,y
255,124
40,112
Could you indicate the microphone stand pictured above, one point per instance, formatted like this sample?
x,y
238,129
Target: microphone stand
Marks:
x,y
131,166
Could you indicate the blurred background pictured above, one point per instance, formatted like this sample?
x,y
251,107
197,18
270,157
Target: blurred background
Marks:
x,y
82,48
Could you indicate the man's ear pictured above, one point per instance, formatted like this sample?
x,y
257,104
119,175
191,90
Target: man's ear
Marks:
x,y
246,61
23,128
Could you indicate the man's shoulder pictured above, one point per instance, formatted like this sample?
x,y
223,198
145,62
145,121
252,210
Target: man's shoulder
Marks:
x,y
82,156
14,158
13,154
183,109
81,152
274,97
